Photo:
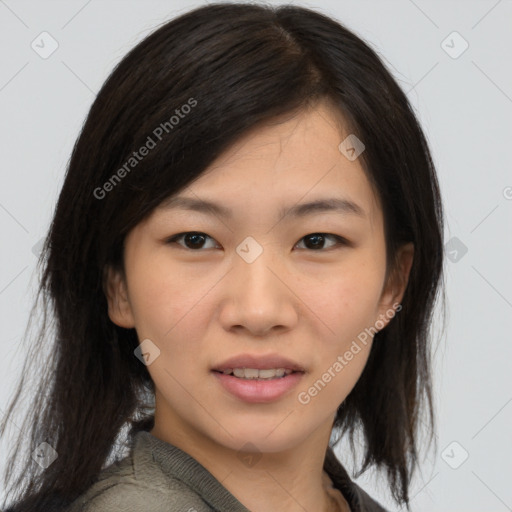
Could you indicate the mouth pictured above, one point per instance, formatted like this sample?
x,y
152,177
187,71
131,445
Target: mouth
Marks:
x,y
258,374
253,366
258,379
254,388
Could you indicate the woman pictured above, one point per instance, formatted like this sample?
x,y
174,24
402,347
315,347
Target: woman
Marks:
x,y
242,268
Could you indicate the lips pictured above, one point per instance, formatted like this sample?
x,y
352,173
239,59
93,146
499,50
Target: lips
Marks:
x,y
260,390
266,362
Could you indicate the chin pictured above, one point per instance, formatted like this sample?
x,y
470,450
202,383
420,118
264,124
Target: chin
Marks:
x,y
266,440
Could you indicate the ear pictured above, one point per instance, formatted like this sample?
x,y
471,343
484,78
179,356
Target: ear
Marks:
x,y
119,308
396,283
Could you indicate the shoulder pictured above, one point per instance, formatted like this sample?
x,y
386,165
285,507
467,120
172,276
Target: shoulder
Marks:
x,y
130,497
134,488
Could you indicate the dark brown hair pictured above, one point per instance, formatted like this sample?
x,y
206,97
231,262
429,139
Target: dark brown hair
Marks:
x,y
236,65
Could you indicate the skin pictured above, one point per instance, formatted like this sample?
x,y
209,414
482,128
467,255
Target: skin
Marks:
x,y
202,305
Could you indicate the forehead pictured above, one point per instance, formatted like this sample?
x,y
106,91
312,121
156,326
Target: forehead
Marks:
x,y
282,163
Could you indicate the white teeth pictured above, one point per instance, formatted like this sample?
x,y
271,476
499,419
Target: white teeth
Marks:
x,y
267,374
247,373
254,373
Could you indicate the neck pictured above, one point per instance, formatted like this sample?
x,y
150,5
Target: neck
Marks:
x,y
290,480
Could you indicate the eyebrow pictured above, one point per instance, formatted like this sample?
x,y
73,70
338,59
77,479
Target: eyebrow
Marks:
x,y
330,204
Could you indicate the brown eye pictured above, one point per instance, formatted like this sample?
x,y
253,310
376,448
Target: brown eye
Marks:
x,y
196,240
191,240
316,241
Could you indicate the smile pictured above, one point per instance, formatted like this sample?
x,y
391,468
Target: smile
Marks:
x,y
255,373
256,387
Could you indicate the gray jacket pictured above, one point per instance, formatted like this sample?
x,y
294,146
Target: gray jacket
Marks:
x,y
159,477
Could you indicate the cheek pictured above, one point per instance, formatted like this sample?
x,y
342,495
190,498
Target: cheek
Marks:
x,y
162,299
349,313
349,303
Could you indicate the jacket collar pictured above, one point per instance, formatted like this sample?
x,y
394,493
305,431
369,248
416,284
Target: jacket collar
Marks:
x,y
179,465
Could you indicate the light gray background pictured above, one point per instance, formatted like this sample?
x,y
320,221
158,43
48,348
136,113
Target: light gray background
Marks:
x,y
465,107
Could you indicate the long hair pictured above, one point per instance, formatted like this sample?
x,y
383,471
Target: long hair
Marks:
x,y
234,66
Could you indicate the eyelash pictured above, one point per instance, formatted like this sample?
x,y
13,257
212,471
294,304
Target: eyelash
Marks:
x,y
340,240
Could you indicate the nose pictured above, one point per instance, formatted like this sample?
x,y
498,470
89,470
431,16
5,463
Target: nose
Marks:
x,y
259,296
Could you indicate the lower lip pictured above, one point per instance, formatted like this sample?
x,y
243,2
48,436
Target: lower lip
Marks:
x,y
258,391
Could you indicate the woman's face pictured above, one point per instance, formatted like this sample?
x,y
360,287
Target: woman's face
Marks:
x,y
303,291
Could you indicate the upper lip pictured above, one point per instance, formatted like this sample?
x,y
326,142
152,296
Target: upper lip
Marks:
x,y
259,362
